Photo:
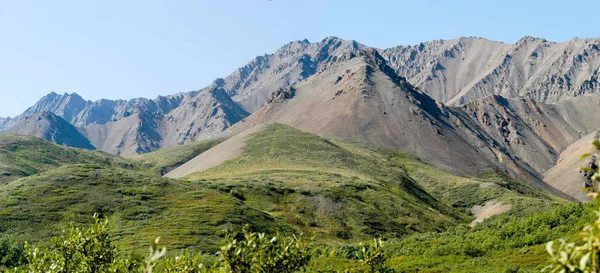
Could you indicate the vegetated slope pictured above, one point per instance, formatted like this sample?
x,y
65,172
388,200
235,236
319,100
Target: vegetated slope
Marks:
x,y
141,206
22,156
465,193
465,69
53,128
507,243
341,202
325,189
315,172
163,161
357,97
285,181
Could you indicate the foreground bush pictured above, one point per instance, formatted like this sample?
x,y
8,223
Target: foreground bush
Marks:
x,y
91,250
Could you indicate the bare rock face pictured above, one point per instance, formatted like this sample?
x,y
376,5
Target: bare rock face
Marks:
x,y
53,128
201,115
535,132
462,70
252,84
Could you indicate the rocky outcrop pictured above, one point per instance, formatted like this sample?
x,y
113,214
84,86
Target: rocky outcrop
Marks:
x,y
252,84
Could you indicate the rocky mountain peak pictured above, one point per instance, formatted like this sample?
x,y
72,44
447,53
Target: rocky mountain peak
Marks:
x,y
66,105
528,38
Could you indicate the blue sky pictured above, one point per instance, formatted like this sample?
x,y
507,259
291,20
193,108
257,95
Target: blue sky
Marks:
x,y
125,49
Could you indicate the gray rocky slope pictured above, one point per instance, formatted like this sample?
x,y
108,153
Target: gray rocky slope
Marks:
x,y
51,127
465,69
142,125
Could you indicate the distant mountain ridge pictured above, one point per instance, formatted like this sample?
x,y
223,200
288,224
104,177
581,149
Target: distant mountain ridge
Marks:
x,y
462,70
141,125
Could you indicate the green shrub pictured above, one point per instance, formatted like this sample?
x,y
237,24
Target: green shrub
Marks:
x,y
374,257
11,253
259,253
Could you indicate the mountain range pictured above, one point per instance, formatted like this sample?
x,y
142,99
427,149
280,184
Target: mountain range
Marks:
x,y
468,106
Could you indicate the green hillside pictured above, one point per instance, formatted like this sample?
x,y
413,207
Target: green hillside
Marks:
x,y
22,156
287,181
139,205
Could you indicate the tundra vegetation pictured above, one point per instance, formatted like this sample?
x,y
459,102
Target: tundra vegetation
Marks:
x,y
298,201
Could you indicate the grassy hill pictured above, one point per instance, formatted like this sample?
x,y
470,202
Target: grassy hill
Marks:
x,y
22,156
139,205
286,181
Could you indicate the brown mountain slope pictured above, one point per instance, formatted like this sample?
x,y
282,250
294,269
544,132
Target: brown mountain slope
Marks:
x,y
545,137
357,97
565,175
533,132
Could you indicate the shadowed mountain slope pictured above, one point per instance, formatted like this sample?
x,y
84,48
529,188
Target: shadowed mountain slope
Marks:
x,y
53,128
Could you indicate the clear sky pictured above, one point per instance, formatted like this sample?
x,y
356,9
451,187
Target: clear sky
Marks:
x,y
125,49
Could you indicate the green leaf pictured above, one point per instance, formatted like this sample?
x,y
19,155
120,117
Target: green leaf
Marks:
x,y
584,156
584,260
596,144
